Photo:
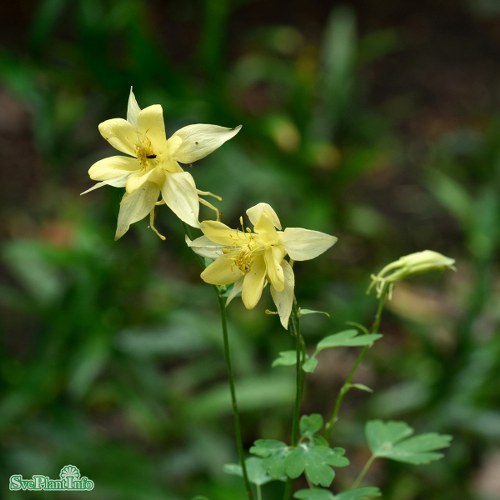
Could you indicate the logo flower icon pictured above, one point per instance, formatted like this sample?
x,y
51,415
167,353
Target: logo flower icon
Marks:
x,y
69,471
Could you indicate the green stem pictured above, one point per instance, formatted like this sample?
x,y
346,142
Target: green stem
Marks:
x,y
299,384
347,384
259,492
230,375
234,402
362,474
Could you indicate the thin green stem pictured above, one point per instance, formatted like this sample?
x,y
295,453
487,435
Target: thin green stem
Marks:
x,y
299,384
259,492
230,376
362,474
234,402
347,384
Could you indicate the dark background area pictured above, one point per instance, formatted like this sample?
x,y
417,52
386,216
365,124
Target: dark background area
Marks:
x,y
378,122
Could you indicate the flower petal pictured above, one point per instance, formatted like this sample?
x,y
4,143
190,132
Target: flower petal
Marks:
x,y
180,195
135,206
150,124
120,134
305,244
200,140
256,212
116,182
132,109
221,272
273,257
254,282
222,234
284,299
205,247
112,167
138,179
235,291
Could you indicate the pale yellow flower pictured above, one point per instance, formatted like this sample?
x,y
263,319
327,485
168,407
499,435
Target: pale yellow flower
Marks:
x,y
152,167
250,259
407,266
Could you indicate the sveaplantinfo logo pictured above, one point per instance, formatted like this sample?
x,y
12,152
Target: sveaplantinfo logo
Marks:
x,y
70,479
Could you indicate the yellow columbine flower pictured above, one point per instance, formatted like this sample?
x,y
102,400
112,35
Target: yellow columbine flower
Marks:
x,y
250,259
152,166
407,266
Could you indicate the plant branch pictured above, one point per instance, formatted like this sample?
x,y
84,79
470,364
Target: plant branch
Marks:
x,y
348,383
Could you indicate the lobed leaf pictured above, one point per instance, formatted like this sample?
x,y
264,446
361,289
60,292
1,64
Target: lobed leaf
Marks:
x,y
285,358
310,424
256,471
358,494
273,454
347,338
316,462
310,365
392,440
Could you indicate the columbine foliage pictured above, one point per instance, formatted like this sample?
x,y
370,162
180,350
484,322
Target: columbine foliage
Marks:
x,y
357,494
393,440
312,456
346,338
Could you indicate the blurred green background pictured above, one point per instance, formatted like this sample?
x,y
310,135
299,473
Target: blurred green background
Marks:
x,y
378,122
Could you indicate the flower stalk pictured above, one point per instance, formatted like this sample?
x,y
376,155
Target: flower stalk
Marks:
x,y
232,389
300,349
384,294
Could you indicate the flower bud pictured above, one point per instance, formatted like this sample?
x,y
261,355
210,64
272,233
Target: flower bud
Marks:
x,y
407,266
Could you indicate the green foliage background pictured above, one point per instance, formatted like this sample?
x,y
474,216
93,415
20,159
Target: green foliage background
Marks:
x,y
378,123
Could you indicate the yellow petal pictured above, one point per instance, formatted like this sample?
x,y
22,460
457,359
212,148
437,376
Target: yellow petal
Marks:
x,y
150,124
135,206
116,182
112,167
120,134
284,299
256,212
180,194
222,234
132,109
254,282
205,247
200,140
138,179
221,272
273,257
235,291
305,244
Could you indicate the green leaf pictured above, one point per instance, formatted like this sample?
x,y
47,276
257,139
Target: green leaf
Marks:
x,y
310,365
314,494
347,338
285,358
267,447
256,471
392,440
274,453
305,312
311,424
361,387
358,494
316,462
